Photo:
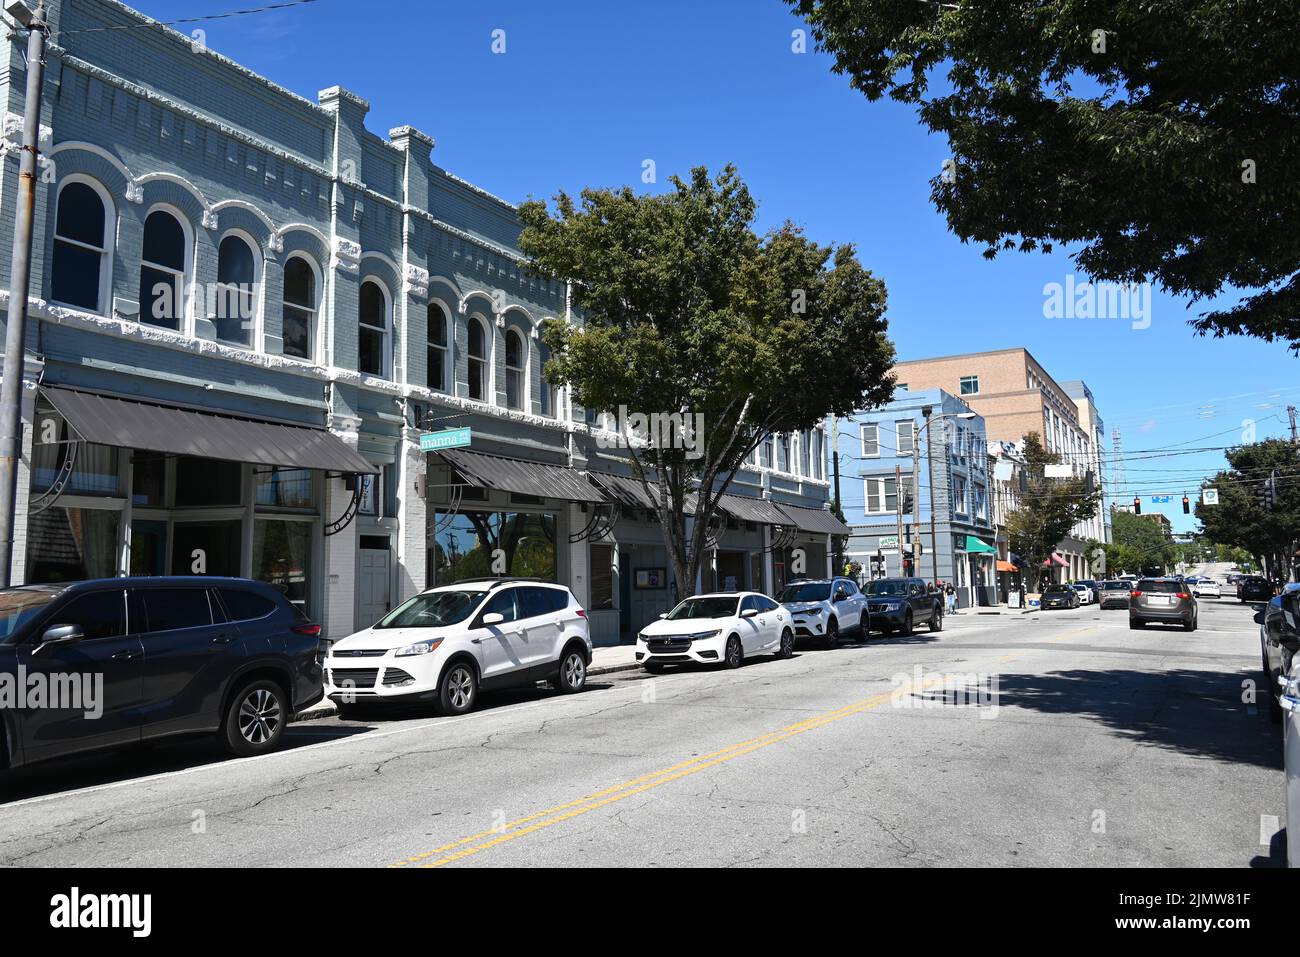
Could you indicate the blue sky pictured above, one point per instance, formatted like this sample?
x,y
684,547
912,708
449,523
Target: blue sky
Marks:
x,y
586,91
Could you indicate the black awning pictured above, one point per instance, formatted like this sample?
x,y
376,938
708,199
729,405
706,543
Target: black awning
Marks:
x,y
819,521
162,428
757,510
624,489
521,477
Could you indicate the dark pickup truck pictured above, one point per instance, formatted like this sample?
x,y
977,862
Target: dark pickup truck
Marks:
x,y
900,604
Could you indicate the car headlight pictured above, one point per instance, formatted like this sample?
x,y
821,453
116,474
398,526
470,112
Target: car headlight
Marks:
x,y
700,635
419,648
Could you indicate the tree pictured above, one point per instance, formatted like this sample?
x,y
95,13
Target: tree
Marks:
x,y
1162,136
1049,508
1240,520
1148,549
687,312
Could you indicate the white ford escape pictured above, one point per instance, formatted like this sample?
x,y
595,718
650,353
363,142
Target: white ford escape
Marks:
x,y
449,642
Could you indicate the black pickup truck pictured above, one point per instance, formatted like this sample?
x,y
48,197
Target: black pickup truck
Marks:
x,y
900,604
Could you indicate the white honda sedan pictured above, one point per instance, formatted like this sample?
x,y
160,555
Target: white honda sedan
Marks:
x,y
723,628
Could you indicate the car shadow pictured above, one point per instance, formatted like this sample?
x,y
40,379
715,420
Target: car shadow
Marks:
x,y
487,701
1199,713
142,760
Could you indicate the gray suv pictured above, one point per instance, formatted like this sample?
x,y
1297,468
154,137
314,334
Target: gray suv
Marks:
x,y
1162,600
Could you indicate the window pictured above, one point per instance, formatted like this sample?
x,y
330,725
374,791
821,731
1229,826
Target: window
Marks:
x,y
162,271
783,463
236,303
171,609
436,370
67,544
970,385
282,558
871,441
805,454
280,487
882,495
503,603
906,431
546,396
602,576
514,370
81,237
372,344
369,504
959,494
299,322
765,453
478,367
979,500
100,614
208,482
818,455
246,605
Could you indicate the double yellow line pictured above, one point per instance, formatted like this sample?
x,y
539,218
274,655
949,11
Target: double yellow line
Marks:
x,y
477,843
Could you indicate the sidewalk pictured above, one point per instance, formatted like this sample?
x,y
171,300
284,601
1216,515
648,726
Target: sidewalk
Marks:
x,y
604,661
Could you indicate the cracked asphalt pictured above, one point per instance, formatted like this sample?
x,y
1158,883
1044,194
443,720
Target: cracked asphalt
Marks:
x,y
1097,746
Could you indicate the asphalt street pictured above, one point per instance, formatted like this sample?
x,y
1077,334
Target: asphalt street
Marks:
x,y
1089,745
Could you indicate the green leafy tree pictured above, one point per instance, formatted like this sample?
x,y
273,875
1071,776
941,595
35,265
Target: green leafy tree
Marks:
x,y
1161,137
1049,508
1269,535
1150,551
687,311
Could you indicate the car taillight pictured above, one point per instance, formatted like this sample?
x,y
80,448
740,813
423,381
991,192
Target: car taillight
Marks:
x,y
311,631
1137,594
1183,594
581,613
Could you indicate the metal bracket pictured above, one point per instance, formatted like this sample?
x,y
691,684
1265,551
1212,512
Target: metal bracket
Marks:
x,y
52,494
601,523
349,513
442,524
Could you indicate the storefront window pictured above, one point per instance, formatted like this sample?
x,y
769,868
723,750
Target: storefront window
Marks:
x,y
149,479
207,482
284,488
282,558
95,471
484,544
71,544
602,576
206,548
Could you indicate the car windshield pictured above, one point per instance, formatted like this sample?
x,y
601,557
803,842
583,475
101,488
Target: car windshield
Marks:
x,y
806,591
887,587
721,607
19,605
1115,586
433,610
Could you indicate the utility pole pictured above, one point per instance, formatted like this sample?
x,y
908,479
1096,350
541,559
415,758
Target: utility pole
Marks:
x,y
11,386
1295,438
898,509
839,504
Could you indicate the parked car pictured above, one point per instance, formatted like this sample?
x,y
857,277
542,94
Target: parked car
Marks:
x,y
1085,593
1115,594
1290,705
1059,596
1093,587
900,604
1254,588
1279,640
825,608
171,656
1162,601
448,643
1207,588
721,628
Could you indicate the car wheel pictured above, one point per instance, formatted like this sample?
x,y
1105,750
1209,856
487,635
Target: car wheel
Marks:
x,y
735,655
572,676
458,688
787,644
255,719
906,630
832,634
936,620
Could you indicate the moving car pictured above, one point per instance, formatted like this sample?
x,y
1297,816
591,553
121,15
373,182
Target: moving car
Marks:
x,y
1207,588
1059,596
900,604
170,656
721,628
1115,594
1084,592
825,608
1279,640
1162,601
1254,588
448,643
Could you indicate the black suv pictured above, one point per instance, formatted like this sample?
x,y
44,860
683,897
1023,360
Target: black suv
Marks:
x,y
1254,588
899,604
136,659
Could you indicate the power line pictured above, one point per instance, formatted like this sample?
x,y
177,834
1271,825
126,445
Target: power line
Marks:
x,y
268,8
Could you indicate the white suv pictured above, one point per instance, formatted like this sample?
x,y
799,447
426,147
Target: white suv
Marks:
x,y
449,642
825,609
721,628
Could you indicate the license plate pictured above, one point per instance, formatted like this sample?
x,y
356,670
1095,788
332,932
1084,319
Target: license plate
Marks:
x,y
1157,600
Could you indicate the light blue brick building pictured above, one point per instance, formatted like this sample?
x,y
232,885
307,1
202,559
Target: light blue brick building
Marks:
x,y
243,299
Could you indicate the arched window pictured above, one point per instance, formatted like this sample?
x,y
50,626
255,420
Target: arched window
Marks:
x,y
162,271
515,379
299,322
236,307
478,367
80,247
546,398
437,348
372,347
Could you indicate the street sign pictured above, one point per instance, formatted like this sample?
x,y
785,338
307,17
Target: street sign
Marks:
x,y
1210,496
1161,499
888,541
446,439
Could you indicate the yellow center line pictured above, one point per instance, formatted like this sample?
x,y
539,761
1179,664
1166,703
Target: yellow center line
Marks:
x,y
482,841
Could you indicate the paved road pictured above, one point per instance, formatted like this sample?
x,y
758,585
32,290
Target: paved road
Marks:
x,y
1102,746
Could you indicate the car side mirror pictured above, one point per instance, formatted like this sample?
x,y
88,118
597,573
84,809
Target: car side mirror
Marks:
x,y
492,618
57,636
749,613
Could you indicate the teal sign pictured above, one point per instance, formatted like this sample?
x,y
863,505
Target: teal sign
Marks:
x,y
446,439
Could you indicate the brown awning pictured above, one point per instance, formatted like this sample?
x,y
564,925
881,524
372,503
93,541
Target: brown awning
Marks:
x,y
164,428
521,477
819,521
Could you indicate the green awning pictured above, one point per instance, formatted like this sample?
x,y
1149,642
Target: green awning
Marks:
x,y
978,546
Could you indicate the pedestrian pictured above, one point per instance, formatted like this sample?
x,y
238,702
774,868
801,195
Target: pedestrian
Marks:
x,y
951,594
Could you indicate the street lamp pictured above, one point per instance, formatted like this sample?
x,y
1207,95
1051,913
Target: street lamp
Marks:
x,y
926,413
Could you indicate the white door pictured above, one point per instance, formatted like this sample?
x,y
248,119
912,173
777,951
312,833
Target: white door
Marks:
x,y
372,587
540,629
753,630
499,645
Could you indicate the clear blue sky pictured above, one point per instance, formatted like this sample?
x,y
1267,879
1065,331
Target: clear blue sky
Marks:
x,y
588,89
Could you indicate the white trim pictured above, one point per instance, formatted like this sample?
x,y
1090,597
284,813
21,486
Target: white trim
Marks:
x,y
185,322
105,304
314,332
489,346
385,358
448,359
255,334
521,369
862,439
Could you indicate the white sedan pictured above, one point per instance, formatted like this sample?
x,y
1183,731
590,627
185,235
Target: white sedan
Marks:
x,y
1086,596
721,628
1206,588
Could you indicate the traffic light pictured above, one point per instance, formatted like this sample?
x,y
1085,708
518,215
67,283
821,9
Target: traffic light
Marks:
x,y
1266,493
1137,505
1187,505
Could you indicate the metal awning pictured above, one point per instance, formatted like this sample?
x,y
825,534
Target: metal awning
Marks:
x,y
624,489
521,477
977,546
165,428
757,510
819,521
